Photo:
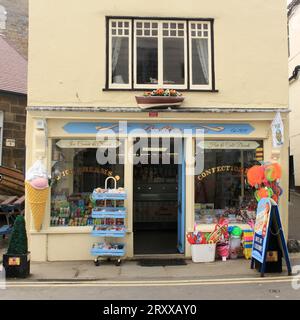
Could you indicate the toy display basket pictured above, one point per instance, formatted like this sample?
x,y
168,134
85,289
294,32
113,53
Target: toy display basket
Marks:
x,y
114,229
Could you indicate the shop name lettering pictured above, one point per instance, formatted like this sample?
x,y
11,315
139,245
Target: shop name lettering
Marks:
x,y
80,171
221,169
156,309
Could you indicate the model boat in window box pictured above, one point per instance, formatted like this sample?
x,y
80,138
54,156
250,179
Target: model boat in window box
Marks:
x,y
160,98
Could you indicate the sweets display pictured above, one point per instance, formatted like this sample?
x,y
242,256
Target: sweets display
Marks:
x,y
242,214
72,211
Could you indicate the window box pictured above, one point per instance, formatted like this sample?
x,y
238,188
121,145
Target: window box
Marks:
x,y
145,102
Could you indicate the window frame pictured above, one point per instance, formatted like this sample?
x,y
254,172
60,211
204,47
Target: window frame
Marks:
x,y
110,36
160,53
133,86
190,37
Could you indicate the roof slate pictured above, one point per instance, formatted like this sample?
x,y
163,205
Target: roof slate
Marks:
x,y
13,69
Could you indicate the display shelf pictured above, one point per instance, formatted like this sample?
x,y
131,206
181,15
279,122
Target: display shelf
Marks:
x,y
155,200
113,231
116,250
109,212
108,196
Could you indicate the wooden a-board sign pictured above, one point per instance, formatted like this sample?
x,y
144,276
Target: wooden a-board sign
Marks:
x,y
268,225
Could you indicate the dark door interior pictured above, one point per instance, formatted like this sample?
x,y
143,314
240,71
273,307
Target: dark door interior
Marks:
x,y
155,208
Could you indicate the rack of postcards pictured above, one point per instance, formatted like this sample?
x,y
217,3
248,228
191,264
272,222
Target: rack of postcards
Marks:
x,y
109,214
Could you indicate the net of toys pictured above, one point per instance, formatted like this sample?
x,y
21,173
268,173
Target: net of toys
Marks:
x,y
265,179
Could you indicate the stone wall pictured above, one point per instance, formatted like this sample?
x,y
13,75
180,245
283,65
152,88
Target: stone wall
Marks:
x,y
16,26
14,109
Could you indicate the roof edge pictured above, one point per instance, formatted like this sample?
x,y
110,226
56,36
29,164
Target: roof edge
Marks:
x,y
177,110
13,92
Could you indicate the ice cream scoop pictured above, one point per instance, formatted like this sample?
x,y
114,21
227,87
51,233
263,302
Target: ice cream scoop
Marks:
x,y
39,183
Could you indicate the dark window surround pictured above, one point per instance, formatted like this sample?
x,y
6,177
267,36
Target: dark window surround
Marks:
x,y
132,18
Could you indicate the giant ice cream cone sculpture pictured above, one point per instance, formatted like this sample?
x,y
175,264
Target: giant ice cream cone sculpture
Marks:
x,y
37,195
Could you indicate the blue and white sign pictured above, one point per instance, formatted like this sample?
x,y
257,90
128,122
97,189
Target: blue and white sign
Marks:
x,y
268,228
260,230
157,128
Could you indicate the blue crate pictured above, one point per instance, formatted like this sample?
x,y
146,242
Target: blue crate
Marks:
x,y
109,252
109,212
108,233
109,196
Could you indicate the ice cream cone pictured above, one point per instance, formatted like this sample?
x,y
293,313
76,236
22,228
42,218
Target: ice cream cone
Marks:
x,y
37,199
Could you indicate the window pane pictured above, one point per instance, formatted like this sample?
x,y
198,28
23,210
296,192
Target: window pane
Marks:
x,y
147,60
200,63
173,52
76,172
221,189
120,60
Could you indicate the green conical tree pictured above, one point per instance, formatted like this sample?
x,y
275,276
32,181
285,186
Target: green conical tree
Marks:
x,y
18,243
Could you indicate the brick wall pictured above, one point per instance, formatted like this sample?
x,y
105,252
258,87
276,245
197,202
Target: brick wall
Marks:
x,y
14,123
16,31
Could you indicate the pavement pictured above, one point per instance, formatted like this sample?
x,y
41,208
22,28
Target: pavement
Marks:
x,y
294,216
217,280
232,279
132,271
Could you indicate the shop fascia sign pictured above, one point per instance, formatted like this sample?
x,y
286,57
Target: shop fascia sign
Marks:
x,y
242,145
130,128
88,144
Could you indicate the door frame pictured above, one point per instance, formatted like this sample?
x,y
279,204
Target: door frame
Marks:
x,y
181,196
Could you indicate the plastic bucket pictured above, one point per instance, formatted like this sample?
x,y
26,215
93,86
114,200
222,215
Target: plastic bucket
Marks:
x,y
203,252
235,247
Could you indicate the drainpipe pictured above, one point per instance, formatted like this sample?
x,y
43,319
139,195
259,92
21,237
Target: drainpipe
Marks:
x,y
295,73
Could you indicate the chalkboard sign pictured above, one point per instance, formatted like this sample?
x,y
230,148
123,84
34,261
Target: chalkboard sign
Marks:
x,y
268,228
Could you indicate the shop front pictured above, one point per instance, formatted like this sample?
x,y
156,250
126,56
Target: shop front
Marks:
x,y
180,171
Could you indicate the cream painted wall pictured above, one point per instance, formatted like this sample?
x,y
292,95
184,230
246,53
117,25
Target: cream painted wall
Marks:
x,y
67,51
294,92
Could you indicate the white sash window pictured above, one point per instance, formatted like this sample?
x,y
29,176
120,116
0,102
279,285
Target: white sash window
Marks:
x,y
152,53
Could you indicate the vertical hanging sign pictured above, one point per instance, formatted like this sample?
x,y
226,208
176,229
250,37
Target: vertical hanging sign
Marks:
x,y
277,131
